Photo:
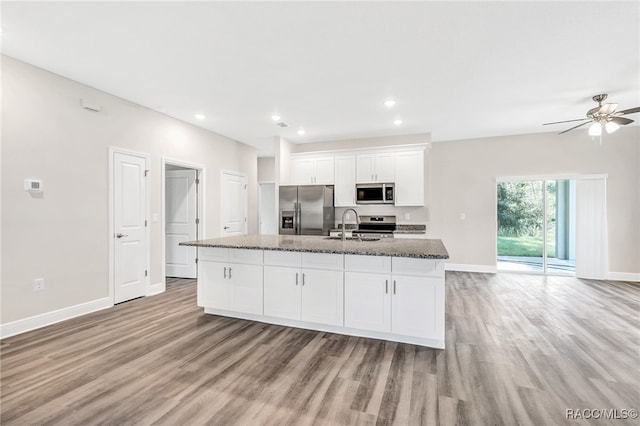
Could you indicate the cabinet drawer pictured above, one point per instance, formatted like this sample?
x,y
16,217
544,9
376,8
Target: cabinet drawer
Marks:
x,y
417,267
216,254
322,261
247,256
283,258
373,264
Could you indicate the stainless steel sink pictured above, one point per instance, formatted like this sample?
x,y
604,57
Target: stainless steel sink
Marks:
x,y
367,239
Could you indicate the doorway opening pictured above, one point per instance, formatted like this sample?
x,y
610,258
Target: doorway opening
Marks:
x,y
182,217
536,226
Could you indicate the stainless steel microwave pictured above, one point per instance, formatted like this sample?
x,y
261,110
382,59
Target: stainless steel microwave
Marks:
x,y
375,193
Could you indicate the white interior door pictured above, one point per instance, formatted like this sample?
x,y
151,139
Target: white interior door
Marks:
x,y
130,232
267,208
181,209
233,204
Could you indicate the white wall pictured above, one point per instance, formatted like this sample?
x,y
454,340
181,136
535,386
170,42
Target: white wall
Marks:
x,y
63,236
463,176
266,169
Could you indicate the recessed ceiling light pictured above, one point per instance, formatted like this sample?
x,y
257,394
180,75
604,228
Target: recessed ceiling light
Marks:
x,y
397,122
389,103
301,132
275,117
200,116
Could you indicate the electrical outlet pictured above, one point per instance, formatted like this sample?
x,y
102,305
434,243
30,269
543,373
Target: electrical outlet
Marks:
x,y
38,284
407,216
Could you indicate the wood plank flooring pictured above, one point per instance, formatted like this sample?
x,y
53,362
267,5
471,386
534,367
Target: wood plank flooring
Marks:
x,y
521,349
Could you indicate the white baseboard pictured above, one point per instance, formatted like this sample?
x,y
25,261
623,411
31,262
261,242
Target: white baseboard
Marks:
x,y
48,318
624,276
157,288
463,267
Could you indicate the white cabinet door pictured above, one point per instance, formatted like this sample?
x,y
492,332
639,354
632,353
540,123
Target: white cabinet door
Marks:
x,y
417,306
213,285
375,168
409,178
323,171
282,286
385,168
345,181
246,288
322,296
365,168
303,171
367,301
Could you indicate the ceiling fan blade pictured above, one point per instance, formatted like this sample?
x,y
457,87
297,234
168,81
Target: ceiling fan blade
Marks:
x,y
629,111
579,125
566,121
621,120
607,109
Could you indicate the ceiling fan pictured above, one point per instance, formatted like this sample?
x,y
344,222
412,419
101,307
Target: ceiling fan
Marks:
x,y
601,116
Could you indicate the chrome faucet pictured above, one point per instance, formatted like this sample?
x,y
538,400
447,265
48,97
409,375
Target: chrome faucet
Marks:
x,y
344,231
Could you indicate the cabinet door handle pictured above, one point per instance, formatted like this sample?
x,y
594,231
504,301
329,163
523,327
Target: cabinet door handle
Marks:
x,y
376,177
303,278
394,286
371,176
386,286
296,278
229,273
225,272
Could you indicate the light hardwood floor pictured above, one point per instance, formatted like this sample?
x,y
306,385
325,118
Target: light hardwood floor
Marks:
x,y
521,349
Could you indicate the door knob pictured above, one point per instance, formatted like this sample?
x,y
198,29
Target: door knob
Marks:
x,y
119,235
226,227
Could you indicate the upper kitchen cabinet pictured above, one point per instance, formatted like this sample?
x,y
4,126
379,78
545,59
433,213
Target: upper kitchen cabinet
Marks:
x,y
409,178
313,170
375,168
345,181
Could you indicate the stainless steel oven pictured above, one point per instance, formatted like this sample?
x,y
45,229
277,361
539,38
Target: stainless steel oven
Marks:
x,y
375,193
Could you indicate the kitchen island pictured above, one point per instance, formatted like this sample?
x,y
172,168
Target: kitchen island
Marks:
x,y
391,289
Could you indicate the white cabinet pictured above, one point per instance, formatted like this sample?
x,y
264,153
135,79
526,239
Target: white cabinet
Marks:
x,y
345,181
409,178
313,170
417,303
413,306
367,303
282,292
375,168
367,297
406,299
294,289
230,279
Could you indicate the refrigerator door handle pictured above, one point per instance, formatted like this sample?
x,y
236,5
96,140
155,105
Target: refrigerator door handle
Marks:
x,y
298,219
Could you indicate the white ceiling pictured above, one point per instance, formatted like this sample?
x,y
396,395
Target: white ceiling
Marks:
x,y
456,69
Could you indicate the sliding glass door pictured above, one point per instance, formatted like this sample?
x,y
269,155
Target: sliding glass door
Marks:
x,y
536,226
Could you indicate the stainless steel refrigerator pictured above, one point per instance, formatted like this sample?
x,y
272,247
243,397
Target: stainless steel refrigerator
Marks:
x,y
306,210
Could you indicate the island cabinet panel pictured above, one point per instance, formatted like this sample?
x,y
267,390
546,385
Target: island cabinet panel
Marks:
x,y
367,301
228,284
312,294
385,300
322,296
213,286
414,307
282,292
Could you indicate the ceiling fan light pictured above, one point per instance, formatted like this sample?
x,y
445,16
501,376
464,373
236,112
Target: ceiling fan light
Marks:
x,y
611,127
595,129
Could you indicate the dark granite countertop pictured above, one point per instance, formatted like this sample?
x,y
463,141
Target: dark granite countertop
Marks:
x,y
416,248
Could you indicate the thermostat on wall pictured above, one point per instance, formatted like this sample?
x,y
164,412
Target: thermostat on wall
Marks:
x,y
33,185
